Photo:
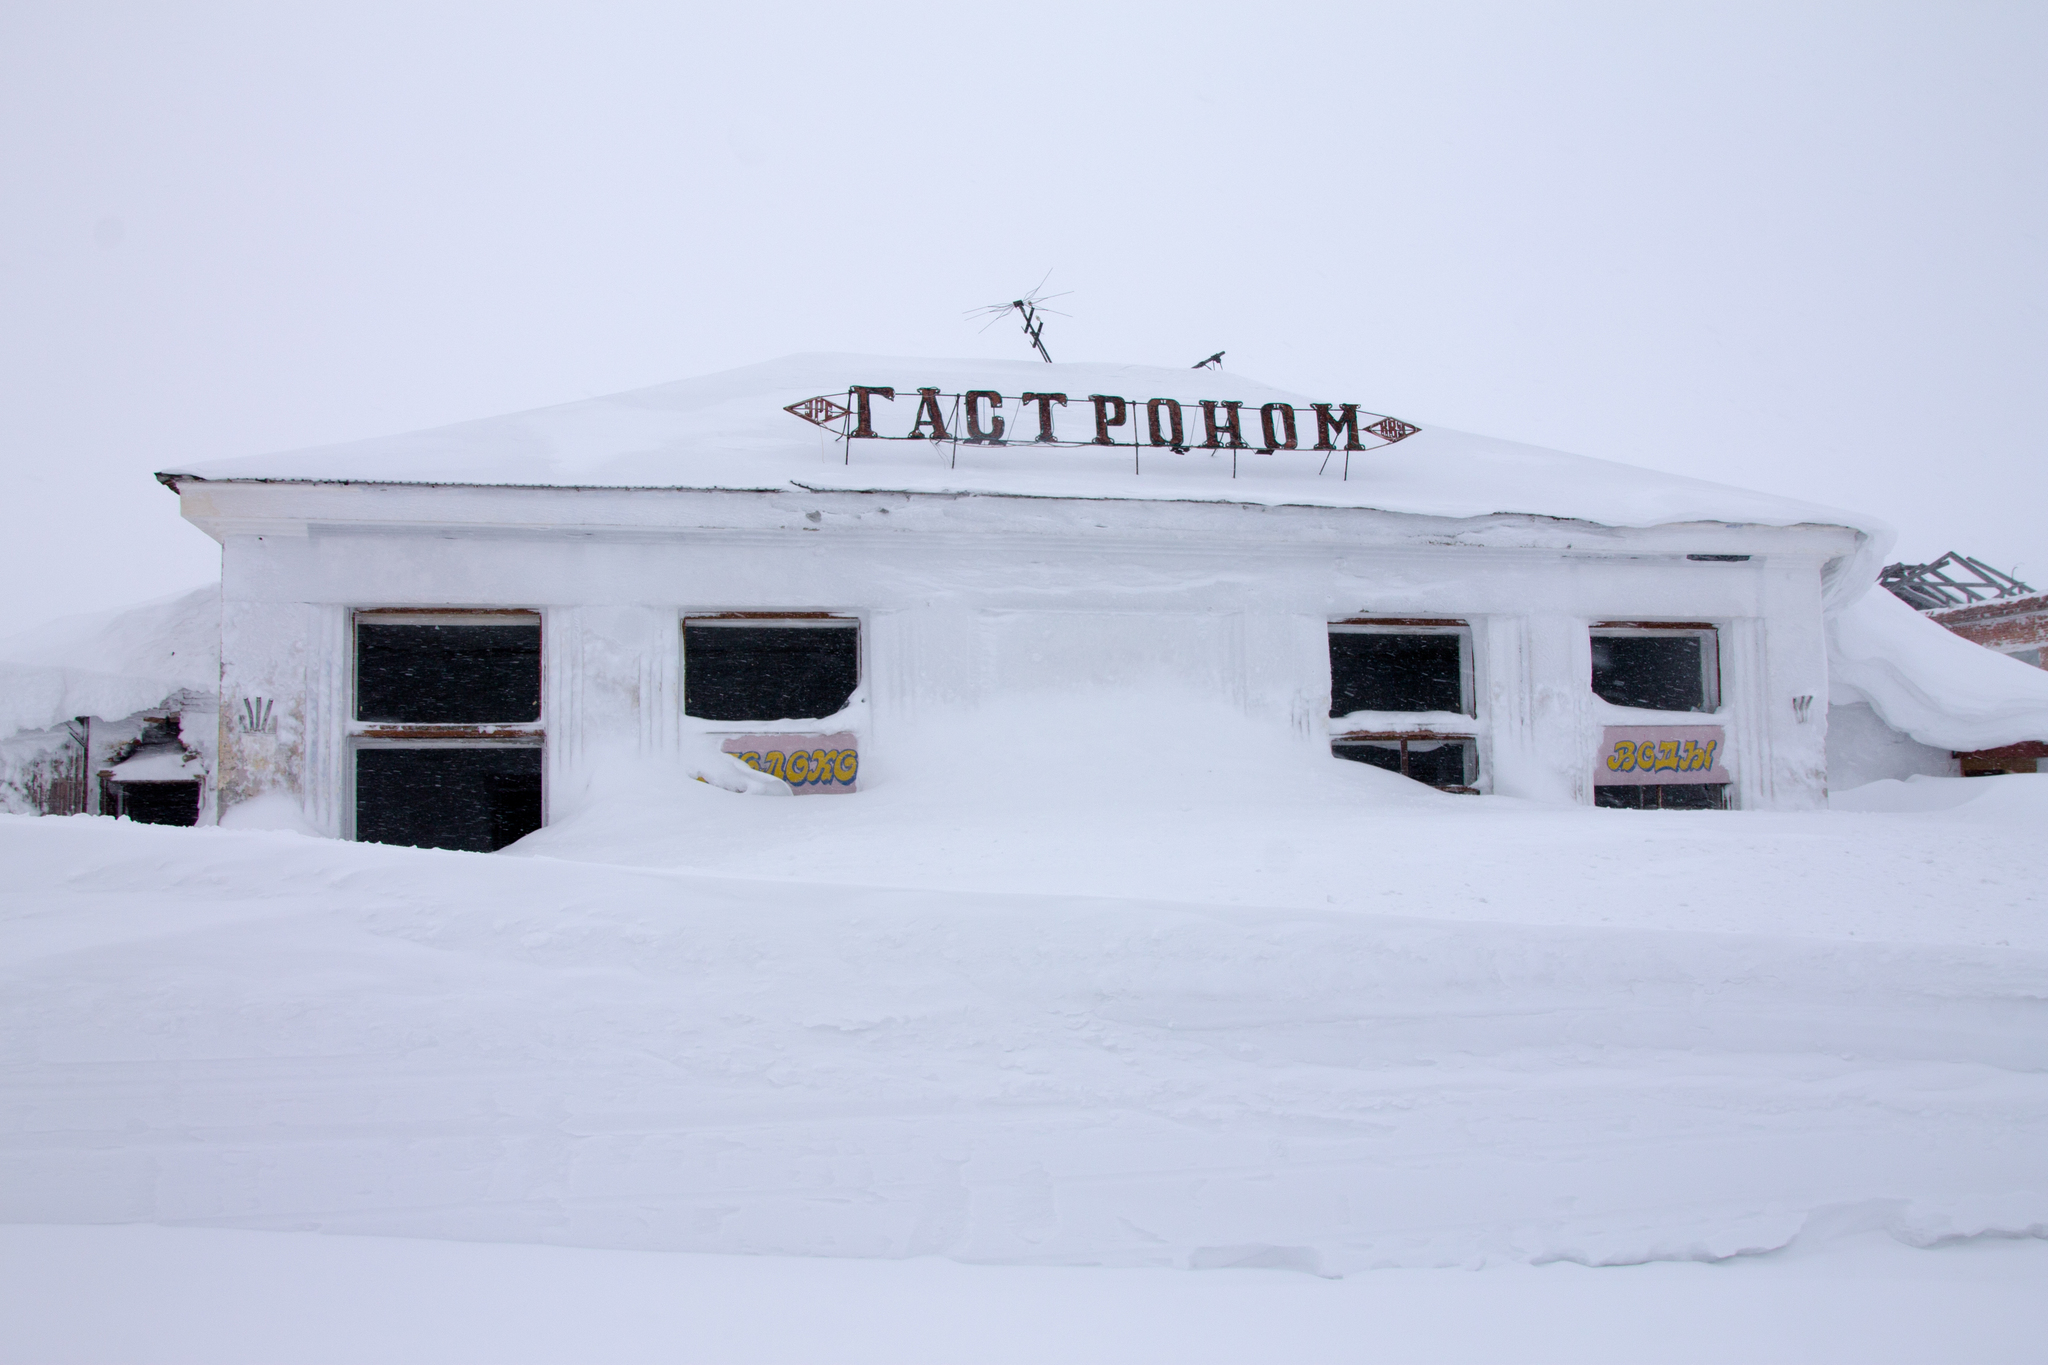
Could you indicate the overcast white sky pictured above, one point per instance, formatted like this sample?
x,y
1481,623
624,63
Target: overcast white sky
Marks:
x,y
1793,246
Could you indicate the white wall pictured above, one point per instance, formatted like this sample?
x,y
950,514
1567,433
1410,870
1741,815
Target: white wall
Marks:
x,y
1862,748
968,600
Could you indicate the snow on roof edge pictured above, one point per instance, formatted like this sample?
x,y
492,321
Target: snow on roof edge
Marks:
x,y
716,432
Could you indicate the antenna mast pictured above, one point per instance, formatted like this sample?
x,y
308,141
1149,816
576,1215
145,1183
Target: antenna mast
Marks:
x,y
1033,328
1029,307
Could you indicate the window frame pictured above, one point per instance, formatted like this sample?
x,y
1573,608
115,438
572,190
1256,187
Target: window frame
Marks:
x,y
363,734
1708,632
841,719
1468,691
453,616
1720,796
359,743
1470,743
1404,727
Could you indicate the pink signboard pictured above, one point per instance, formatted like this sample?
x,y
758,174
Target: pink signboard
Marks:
x,y
1656,755
811,764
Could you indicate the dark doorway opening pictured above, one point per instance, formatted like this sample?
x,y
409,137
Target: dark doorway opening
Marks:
x,y
474,797
1451,763
153,803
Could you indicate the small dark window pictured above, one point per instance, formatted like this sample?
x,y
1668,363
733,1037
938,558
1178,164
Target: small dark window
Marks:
x,y
1382,670
769,671
1667,796
1440,762
1657,670
476,797
448,674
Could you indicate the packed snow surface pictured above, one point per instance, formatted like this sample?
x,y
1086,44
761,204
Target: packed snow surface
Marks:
x,y
195,1296
1926,681
729,430
1217,1014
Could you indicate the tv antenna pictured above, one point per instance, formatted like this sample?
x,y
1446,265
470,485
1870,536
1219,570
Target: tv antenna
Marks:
x,y
1028,308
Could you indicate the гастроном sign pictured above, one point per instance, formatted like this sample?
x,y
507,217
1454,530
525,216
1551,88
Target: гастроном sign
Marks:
x,y
1656,755
808,763
977,417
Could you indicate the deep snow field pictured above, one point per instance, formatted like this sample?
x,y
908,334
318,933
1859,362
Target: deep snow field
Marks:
x,y
197,1296
984,1070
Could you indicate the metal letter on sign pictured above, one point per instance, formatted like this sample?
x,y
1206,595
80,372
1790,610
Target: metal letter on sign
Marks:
x,y
822,412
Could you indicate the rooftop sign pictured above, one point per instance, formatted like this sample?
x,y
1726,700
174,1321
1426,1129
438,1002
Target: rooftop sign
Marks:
x,y
985,417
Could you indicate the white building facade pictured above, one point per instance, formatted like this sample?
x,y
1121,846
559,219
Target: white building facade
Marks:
x,y
783,588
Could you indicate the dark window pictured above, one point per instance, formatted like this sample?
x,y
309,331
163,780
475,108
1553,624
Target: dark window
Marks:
x,y
154,803
1658,671
1373,670
1441,765
1383,755
475,797
769,672
414,674
1667,796
1452,762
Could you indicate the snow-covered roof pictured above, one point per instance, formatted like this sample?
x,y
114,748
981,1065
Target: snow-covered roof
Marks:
x,y
110,663
730,431
1928,682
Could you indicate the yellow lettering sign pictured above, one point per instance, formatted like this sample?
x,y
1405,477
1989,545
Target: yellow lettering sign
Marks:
x,y
1662,756
806,767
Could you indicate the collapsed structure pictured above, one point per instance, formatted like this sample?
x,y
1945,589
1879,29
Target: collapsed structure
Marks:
x,y
1986,607
115,714
423,638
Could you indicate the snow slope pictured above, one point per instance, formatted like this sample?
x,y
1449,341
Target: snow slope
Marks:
x,y
1928,682
1370,1066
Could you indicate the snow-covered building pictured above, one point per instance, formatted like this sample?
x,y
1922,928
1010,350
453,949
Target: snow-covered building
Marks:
x,y
113,713
1986,607
422,635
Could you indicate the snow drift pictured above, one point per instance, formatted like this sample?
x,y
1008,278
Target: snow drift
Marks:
x,y
1313,1045
1928,682
110,663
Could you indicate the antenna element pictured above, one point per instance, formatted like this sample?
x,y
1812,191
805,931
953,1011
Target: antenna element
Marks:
x,y
1029,307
